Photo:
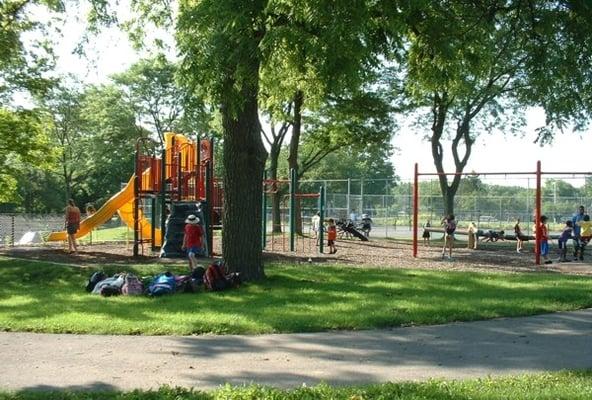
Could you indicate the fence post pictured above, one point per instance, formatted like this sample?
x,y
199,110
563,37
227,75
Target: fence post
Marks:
x,y
415,208
292,208
361,196
322,216
347,200
537,219
264,214
12,231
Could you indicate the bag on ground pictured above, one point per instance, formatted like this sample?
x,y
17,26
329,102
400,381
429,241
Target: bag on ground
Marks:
x,y
215,277
110,290
198,274
187,284
132,286
162,284
95,278
115,281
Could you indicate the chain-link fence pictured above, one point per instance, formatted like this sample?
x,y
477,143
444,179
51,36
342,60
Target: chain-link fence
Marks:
x,y
392,214
32,229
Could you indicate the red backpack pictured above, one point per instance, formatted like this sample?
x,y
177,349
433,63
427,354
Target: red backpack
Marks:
x,y
215,277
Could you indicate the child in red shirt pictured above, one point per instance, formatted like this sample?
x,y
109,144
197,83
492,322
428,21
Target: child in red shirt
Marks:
x,y
331,236
193,240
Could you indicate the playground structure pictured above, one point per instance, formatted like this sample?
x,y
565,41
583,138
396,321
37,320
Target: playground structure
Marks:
x,y
272,187
536,214
294,198
179,182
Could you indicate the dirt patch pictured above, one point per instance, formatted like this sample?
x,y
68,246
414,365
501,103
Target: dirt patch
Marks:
x,y
385,253
377,253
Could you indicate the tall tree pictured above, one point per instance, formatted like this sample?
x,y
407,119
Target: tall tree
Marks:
x,y
354,120
64,113
110,133
22,140
220,43
159,101
95,134
316,63
225,45
471,66
39,187
368,161
275,140
23,63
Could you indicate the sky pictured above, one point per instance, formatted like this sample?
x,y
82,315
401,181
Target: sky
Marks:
x,y
568,153
111,53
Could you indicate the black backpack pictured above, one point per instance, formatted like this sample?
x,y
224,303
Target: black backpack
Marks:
x,y
110,290
95,278
198,274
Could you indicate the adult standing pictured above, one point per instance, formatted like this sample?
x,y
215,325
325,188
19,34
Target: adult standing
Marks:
x,y
72,225
577,230
353,216
316,225
472,236
519,236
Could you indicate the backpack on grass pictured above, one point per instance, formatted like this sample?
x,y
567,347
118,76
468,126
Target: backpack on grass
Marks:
x,y
132,286
187,284
216,278
198,274
162,284
95,278
110,290
116,282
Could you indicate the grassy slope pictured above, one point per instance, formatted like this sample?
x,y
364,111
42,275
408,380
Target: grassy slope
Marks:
x,y
549,386
43,297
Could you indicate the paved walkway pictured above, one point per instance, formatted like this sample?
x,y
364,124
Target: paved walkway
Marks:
x,y
459,350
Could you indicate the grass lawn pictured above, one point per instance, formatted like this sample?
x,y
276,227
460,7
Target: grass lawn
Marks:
x,y
548,386
44,297
119,233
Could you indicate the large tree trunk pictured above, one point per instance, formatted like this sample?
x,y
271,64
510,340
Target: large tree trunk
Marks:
x,y
461,137
294,145
244,162
439,110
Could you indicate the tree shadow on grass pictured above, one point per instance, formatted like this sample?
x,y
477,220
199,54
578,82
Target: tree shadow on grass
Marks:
x,y
292,299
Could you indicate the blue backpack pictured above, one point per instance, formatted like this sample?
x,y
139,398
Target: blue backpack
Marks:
x,y
162,284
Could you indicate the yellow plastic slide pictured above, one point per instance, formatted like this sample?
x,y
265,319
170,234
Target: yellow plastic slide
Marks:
x,y
126,213
122,202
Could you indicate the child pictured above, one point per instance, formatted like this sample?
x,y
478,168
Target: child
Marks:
x,y
193,240
72,223
519,236
544,236
472,236
566,234
426,234
494,236
366,224
585,235
331,236
449,228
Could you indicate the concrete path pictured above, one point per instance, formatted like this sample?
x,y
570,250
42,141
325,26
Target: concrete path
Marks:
x,y
459,350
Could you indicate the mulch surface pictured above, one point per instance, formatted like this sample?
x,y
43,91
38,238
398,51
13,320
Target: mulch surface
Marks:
x,y
376,253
